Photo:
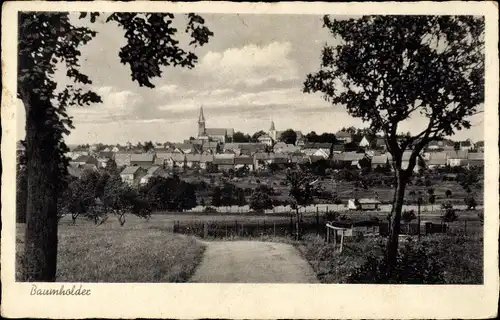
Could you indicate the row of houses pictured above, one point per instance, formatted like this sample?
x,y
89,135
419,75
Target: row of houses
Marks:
x,y
285,155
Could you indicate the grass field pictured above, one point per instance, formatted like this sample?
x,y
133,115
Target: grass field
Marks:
x,y
140,251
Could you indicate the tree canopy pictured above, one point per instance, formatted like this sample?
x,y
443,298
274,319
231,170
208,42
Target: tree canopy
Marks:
x,y
387,69
288,136
48,40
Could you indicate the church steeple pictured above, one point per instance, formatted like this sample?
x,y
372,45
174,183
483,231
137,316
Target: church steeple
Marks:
x,y
201,118
272,126
201,123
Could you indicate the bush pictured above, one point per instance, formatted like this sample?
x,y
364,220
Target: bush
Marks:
x,y
416,264
209,210
470,202
450,214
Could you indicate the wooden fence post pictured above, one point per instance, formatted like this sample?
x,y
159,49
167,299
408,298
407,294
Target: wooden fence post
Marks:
x,y
274,229
342,241
317,221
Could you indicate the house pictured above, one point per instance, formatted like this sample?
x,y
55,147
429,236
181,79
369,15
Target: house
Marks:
x,y
445,145
223,162
479,146
314,158
364,143
349,158
142,159
265,139
380,143
81,160
132,174
185,148
466,145
75,171
301,141
154,171
343,136
379,161
250,148
405,161
363,204
457,158
193,160
115,149
281,147
205,160
437,160
122,158
260,159
161,156
277,158
103,157
177,160
475,159
242,161
338,148
89,167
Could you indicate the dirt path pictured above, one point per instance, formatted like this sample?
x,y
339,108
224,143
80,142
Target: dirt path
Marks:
x,y
252,262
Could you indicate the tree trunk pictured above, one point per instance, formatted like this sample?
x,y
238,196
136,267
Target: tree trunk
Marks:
x,y
395,221
40,249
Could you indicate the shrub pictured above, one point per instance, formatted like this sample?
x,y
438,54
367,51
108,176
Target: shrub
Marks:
x,y
210,210
408,216
470,202
416,264
450,214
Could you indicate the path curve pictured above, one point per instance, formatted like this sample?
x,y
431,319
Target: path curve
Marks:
x,y
252,262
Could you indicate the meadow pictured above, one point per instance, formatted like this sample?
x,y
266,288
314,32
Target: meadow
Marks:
x,y
140,251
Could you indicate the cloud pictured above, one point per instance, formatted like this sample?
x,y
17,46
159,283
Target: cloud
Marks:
x,y
116,105
250,65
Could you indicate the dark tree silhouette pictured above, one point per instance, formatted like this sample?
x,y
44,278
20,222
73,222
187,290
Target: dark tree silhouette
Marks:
x,y
46,39
288,136
385,69
240,137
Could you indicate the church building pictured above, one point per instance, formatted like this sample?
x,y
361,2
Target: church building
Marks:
x,y
213,134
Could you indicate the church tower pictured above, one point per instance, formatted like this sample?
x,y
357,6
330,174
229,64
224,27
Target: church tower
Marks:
x,y
272,131
201,123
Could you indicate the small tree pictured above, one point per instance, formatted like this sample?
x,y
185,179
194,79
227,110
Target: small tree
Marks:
x,y
449,214
448,193
301,192
470,202
260,200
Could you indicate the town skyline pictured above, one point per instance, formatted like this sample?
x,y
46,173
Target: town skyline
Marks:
x,y
246,77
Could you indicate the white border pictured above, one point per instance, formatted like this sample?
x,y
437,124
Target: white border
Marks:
x,y
238,301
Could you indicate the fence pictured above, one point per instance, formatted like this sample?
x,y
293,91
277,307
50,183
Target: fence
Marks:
x,y
281,228
322,208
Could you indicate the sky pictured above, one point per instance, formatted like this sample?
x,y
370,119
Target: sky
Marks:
x,y
249,74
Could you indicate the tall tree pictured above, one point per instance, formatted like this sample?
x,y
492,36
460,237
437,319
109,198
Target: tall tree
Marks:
x,y
46,40
256,135
288,136
240,137
387,69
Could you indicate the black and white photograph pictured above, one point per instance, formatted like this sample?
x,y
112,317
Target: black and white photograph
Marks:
x,y
236,147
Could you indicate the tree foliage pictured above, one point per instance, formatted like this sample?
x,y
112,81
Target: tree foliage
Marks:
x,y
288,136
260,199
48,40
387,69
